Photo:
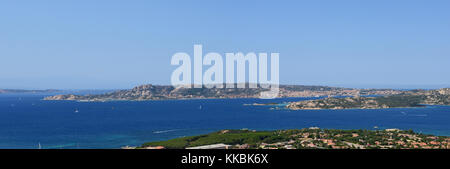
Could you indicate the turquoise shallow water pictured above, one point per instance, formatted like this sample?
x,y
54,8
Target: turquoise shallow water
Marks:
x,y
26,120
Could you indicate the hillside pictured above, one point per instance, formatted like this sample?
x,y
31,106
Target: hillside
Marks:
x,y
311,138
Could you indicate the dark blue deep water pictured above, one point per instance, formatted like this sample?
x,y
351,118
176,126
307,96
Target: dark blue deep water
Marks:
x,y
27,121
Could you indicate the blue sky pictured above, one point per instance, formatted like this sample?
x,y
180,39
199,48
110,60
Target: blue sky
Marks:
x,y
108,44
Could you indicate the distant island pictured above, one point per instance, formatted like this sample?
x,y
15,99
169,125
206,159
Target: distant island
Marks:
x,y
351,98
4,91
414,98
165,92
309,138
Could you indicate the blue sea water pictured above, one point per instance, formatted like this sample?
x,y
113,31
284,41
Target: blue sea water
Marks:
x,y
27,121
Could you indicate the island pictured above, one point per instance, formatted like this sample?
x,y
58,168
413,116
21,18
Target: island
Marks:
x,y
308,138
329,97
164,92
415,98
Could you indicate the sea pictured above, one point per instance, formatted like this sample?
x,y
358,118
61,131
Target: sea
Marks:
x,y
28,122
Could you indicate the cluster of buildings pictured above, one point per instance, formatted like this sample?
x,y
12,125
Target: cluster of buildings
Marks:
x,y
389,139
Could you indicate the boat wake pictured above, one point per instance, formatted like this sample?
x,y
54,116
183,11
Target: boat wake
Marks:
x,y
420,115
165,131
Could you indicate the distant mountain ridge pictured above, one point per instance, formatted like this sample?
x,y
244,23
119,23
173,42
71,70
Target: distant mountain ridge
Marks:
x,y
27,91
162,92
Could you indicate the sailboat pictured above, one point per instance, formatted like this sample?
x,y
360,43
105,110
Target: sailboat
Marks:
x,y
39,145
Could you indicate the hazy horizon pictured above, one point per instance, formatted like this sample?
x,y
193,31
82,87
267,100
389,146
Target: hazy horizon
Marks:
x,y
400,87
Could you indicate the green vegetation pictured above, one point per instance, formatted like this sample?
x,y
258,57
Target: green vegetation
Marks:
x,y
310,138
231,137
401,100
